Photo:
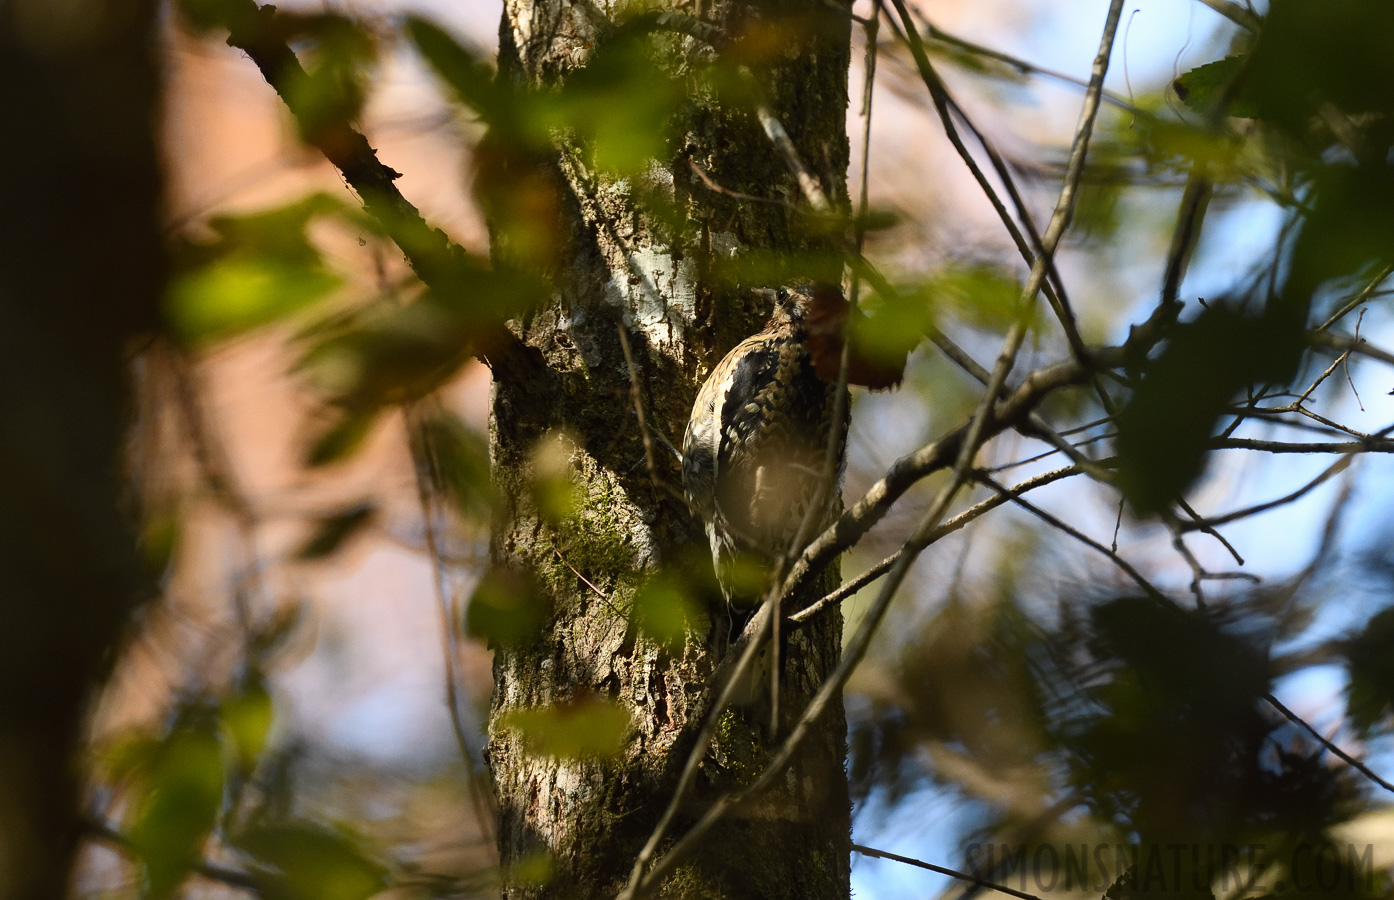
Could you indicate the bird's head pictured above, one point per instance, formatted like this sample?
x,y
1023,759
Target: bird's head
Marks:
x,y
801,302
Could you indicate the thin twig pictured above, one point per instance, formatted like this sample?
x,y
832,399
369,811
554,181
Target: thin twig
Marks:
x,y
1209,529
713,186
1152,591
949,526
1345,757
1023,66
947,108
1345,362
426,472
952,873
1330,472
1373,445
215,468
1358,299
637,399
222,874
1195,199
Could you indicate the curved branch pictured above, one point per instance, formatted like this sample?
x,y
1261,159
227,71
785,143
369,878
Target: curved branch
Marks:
x,y
438,262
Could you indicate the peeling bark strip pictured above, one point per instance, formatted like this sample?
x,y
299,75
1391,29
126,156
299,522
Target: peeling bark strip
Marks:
x,y
621,265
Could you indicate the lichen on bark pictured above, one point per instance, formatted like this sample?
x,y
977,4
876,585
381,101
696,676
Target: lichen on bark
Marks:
x,y
660,256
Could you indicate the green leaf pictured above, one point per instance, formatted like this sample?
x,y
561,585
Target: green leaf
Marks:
x,y
181,791
1312,57
247,717
461,459
621,104
507,609
1370,661
343,435
1201,88
332,89
892,327
206,15
981,292
585,729
257,269
553,485
159,538
305,861
331,531
471,78
537,868
666,611
1165,429
235,295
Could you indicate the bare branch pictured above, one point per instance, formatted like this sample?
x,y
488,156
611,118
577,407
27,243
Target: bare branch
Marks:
x,y
1152,591
1372,445
1345,757
636,398
952,525
1330,472
433,256
952,873
946,107
1357,299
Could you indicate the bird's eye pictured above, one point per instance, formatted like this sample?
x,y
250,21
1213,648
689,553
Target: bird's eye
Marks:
x,y
781,295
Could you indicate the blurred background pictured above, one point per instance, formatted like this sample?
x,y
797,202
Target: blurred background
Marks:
x,y
300,605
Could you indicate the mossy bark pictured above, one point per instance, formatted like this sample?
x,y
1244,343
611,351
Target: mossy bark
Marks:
x,y
665,280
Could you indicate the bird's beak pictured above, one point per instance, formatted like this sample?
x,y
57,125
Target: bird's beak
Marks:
x,y
766,294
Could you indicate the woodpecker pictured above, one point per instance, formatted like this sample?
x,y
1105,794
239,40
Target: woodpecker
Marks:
x,y
756,443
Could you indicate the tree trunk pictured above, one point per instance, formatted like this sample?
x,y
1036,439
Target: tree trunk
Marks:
x,y
81,267
665,281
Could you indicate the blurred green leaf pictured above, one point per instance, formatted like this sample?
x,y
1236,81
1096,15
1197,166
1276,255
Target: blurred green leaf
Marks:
x,y
553,483
471,78
666,611
306,861
1165,428
257,269
892,327
206,15
331,531
344,433
461,459
1370,662
180,794
535,868
584,729
333,86
981,292
235,295
507,608
1350,227
247,716
392,353
159,538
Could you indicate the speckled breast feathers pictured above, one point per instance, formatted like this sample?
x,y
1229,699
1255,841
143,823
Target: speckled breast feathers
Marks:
x,y
755,444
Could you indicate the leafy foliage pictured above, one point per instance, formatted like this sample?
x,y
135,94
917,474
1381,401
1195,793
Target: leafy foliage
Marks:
x,y
257,269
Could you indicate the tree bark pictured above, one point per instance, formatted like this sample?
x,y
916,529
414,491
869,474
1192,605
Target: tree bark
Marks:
x,y
667,284
81,268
